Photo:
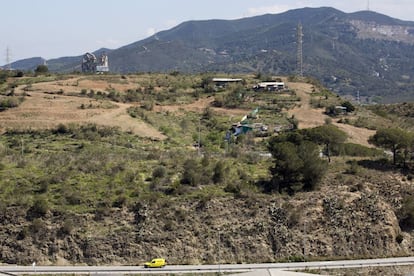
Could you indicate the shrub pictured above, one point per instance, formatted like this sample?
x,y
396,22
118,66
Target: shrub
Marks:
x,y
191,175
349,106
233,188
148,105
41,69
350,149
399,238
67,227
10,102
62,129
120,201
159,172
354,168
39,208
219,172
406,213
37,226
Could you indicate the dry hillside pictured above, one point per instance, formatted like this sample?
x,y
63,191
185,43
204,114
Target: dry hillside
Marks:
x,y
51,103
353,213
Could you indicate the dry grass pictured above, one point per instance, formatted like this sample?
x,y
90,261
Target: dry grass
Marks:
x,y
46,108
309,117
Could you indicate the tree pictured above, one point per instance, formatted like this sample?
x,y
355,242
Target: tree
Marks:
x,y
328,135
191,175
219,172
41,69
394,139
349,106
296,164
287,164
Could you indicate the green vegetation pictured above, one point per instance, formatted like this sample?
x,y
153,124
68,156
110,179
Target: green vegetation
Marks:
x,y
86,168
87,174
398,141
297,165
41,69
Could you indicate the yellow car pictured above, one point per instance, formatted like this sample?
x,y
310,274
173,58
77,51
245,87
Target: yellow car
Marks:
x,y
159,262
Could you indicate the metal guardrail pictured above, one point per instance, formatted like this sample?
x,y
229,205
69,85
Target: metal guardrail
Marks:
x,y
228,268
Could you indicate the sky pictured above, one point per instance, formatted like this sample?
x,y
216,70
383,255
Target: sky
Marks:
x,y
57,28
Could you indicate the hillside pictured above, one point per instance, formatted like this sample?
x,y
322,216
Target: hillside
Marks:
x,y
364,52
105,169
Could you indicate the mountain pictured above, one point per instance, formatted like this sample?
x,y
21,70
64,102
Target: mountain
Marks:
x,y
364,53
29,64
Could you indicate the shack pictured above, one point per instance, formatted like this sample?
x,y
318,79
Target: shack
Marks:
x,y
269,86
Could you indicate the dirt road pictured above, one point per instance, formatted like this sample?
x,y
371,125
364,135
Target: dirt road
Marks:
x,y
309,117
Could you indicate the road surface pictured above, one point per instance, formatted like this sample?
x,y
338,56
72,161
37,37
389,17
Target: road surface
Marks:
x,y
228,268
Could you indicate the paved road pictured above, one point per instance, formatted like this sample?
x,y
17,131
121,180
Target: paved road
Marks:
x,y
228,268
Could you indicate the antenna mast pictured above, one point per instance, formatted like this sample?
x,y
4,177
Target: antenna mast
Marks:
x,y
367,5
300,50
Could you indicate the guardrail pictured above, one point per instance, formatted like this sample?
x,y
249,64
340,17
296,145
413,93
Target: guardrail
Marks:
x,y
228,268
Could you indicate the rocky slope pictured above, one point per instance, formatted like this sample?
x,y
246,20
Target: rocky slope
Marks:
x,y
350,216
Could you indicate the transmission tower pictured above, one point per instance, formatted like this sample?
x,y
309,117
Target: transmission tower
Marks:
x,y
299,57
8,58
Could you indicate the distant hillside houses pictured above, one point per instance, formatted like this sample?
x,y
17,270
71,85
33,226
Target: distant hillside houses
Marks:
x,y
269,86
223,82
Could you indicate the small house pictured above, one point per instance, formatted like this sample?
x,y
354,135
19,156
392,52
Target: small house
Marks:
x,y
222,82
269,86
341,109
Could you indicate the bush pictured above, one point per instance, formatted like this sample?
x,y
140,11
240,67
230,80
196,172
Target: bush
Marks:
x,y
10,102
67,227
399,238
354,168
37,226
234,188
349,106
159,172
406,213
39,208
350,149
61,129
219,172
191,174
41,69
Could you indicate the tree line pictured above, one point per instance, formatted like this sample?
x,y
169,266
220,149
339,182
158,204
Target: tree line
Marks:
x,y
297,164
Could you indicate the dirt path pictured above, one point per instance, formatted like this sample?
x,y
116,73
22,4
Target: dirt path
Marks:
x,y
41,110
309,117
119,117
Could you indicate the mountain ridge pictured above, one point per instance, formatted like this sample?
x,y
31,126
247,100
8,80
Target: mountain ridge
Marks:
x,y
362,52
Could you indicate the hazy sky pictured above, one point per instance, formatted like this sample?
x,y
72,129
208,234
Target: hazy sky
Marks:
x,y
56,28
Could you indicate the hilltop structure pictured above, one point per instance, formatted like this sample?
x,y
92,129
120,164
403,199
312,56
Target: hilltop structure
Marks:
x,y
90,64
